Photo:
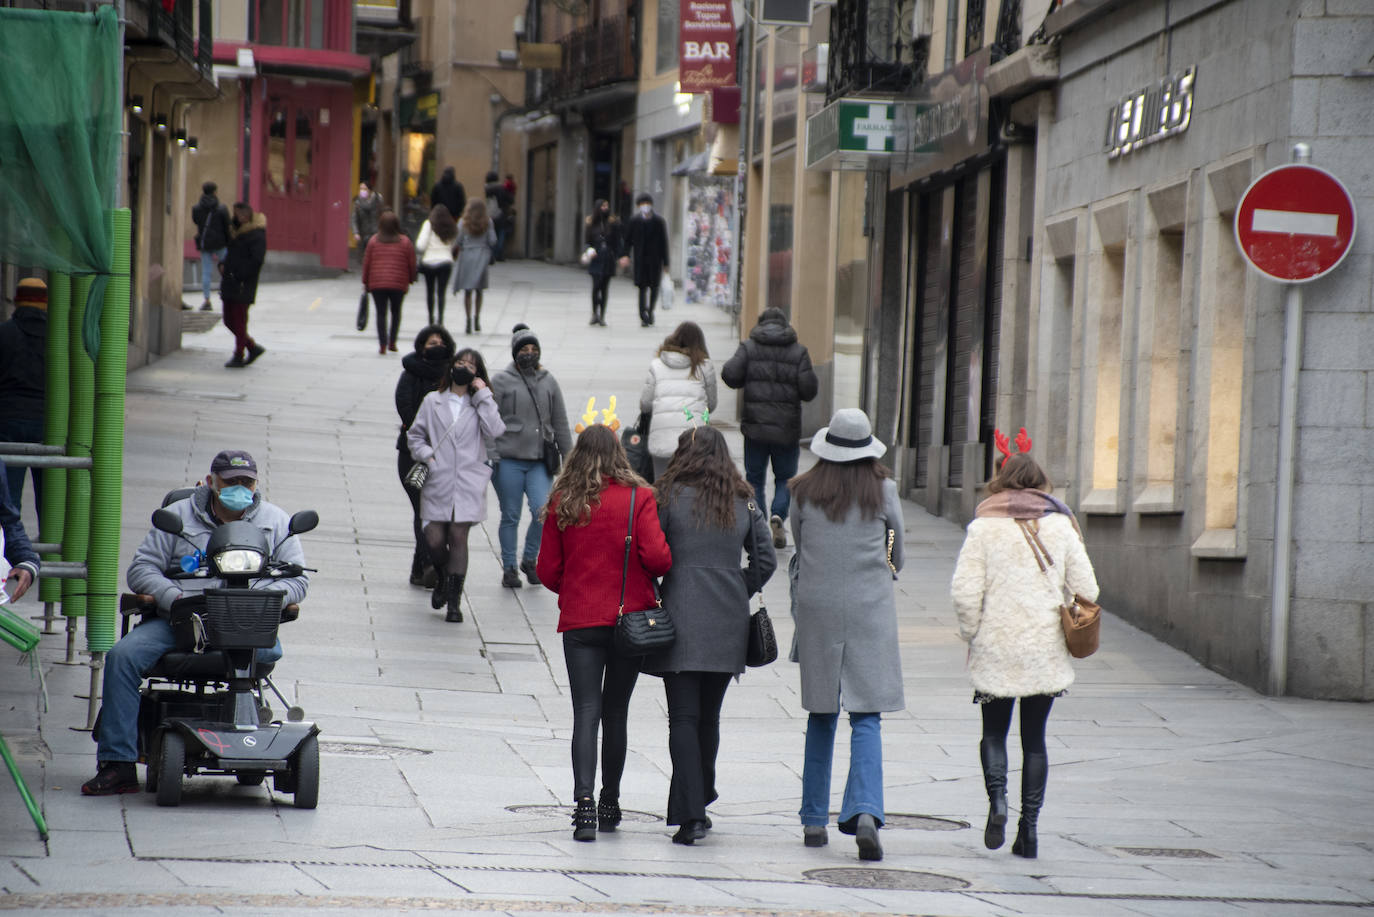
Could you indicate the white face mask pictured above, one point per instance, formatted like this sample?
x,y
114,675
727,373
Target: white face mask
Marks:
x,y
646,209
363,193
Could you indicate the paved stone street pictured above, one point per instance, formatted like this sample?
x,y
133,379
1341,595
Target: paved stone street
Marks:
x,y
446,781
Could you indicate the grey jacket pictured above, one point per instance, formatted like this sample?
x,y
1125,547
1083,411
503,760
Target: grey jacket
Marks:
x,y
846,618
706,590
524,436
160,550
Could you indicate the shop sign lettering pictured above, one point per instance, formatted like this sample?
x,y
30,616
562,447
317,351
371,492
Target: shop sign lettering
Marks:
x,y
1149,115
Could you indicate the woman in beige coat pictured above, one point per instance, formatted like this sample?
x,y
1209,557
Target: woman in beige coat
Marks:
x,y
1009,614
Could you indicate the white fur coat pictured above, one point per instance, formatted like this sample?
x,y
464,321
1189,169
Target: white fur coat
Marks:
x,y
1009,610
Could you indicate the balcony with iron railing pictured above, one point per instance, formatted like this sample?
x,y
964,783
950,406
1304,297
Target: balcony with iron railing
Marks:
x,y
597,55
872,50
187,29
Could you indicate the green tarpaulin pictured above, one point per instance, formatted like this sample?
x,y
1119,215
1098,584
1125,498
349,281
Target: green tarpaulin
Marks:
x,y
59,144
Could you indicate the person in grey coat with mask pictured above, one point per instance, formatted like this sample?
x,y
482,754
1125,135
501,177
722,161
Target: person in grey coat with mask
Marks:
x,y
531,405
708,514
847,526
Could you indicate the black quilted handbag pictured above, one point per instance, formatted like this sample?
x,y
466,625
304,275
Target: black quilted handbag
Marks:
x,y
763,643
639,633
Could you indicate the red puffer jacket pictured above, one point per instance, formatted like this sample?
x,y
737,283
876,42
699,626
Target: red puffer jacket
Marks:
x,y
389,265
583,563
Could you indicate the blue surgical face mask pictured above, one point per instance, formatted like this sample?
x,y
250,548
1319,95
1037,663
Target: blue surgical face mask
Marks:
x,y
236,498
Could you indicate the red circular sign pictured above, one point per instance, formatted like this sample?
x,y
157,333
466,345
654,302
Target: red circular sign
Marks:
x,y
1295,223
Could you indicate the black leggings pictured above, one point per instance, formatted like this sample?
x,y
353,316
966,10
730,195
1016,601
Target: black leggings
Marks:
x,y
651,291
403,465
601,682
448,546
436,282
600,286
1035,712
694,700
383,299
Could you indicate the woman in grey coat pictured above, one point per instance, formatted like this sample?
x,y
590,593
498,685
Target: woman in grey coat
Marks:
x,y
449,434
472,254
847,526
707,512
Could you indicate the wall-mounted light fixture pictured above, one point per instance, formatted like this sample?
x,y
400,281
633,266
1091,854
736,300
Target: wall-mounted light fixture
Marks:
x,y
160,122
136,104
180,138
192,144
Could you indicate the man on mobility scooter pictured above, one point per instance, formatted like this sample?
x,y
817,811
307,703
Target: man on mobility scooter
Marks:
x,y
228,494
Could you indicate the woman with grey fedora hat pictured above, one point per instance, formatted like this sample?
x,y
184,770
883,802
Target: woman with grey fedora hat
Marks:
x,y
847,527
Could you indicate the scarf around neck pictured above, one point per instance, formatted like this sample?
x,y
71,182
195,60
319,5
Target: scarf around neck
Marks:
x,y
1024,504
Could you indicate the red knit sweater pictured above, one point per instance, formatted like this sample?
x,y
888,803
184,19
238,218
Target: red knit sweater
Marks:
x,y
389,265
583,563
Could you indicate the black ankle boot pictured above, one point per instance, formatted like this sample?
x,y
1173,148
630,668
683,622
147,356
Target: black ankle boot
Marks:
x,y
608,812
993,755
1035,772
584,820
417,571
455,599
439,596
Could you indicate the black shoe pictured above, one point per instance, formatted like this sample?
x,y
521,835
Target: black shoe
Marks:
x,y
584,820
527,568
510,578
477,324
993,756
866,835
607,813
206,306
235,363
439,596
1035,772
594,321
112,779
454,593
689,833
815,835
417,571
1026,844
258,350
467,327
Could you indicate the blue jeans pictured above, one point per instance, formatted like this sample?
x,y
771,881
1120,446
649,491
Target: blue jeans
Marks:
x,y
757,455
518,479
126,662
863,789
208,260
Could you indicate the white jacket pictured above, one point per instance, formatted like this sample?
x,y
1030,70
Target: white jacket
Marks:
x,y
431,249
669,392
1009,610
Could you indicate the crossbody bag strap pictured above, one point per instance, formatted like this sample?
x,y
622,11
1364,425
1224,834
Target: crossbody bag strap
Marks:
x,y
538,416
629,536
1042,557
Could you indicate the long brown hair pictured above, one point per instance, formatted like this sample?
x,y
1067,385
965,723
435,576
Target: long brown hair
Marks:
x,y
596,456
441,221
836,486
687,339
702,460
1020,472
475,217
388,226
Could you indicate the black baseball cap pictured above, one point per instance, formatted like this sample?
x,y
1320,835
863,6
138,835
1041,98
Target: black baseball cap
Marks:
x,y
234,463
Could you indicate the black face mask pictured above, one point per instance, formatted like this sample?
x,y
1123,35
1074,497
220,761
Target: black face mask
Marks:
x,y
436,353
461,375
527,360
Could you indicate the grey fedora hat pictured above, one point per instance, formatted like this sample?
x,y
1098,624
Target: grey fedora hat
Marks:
x,y
848,438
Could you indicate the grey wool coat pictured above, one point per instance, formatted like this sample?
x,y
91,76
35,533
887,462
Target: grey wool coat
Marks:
x,y
846,617
707,590
456,490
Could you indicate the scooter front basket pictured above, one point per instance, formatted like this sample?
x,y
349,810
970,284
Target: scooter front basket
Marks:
x,y
241,618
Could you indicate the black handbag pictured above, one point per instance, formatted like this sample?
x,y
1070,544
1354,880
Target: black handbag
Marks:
x,y
762,647
416,477
362,311
635,439
639,633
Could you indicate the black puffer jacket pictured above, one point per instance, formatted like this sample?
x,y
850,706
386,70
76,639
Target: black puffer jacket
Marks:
x,y
243,262
418,378
23,378
776,375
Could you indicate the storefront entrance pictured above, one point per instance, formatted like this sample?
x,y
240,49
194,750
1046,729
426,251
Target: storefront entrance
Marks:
x,y
296,132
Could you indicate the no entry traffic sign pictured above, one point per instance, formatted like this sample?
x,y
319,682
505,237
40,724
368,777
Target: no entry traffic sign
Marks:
x,y
1295,223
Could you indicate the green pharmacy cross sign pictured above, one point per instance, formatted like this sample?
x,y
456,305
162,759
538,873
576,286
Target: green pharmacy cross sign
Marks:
x,y
849,134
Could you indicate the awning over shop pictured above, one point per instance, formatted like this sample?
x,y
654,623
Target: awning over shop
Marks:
x,y
694,164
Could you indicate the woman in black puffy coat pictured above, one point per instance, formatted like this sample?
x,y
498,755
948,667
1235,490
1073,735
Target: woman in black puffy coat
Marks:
x,y
420,373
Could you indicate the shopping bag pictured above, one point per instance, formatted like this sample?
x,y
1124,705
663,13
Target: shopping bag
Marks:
x,y
665,292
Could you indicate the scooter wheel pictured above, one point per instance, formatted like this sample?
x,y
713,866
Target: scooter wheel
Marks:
x,y
307,768
171,767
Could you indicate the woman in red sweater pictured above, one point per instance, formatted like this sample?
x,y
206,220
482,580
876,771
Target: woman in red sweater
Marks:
x,y
582,558
388,271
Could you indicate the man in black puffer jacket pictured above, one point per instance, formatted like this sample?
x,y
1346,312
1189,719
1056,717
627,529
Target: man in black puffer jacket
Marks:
x,y
775,372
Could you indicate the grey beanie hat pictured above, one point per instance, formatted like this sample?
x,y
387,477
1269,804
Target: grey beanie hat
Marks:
x,y
520,336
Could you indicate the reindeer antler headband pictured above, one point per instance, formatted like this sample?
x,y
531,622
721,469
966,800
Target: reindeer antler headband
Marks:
x,y
1023,443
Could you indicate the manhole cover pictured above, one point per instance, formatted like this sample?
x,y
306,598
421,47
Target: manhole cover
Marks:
x,y
890,879
364,750
1179,853
566,812
917,822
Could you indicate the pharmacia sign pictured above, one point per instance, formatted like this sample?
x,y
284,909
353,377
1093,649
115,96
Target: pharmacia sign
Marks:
x,y
707,52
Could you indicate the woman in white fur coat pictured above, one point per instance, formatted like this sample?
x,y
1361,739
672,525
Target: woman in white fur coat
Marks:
x,y
681,380
1009,614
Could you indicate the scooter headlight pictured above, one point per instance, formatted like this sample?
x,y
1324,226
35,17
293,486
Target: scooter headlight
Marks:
x,y
239,560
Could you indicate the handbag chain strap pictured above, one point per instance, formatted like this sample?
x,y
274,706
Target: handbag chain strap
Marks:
x,y
629,536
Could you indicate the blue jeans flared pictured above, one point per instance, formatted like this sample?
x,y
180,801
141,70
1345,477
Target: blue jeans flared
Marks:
x,y
863,789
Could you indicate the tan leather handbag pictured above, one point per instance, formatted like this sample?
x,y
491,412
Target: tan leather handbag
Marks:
x,y
1081,619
